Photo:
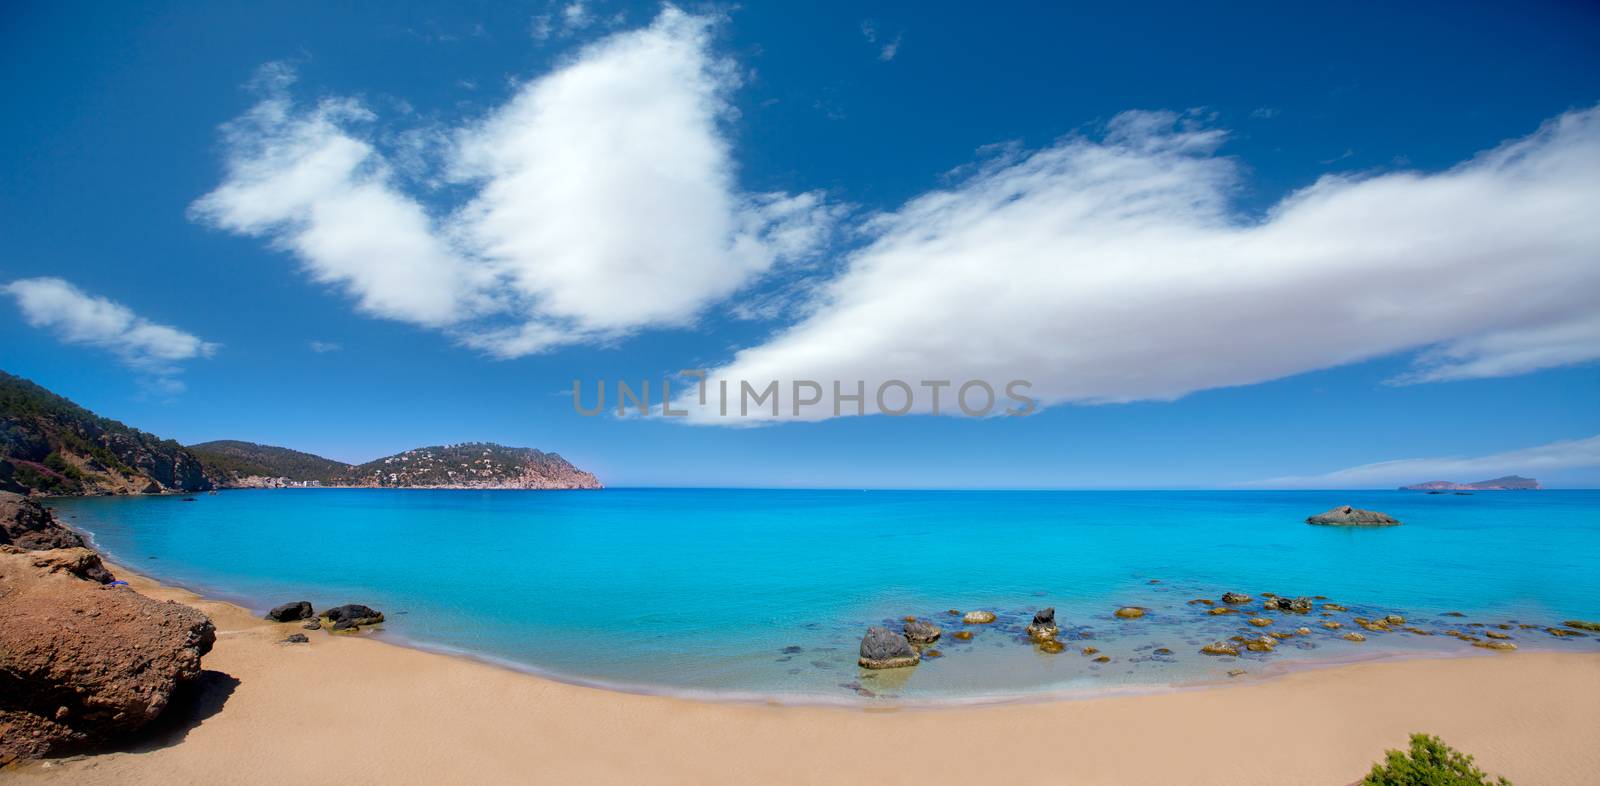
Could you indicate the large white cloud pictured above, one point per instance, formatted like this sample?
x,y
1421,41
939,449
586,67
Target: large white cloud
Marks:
x,y
1552,457
76,317
1114,270
603,200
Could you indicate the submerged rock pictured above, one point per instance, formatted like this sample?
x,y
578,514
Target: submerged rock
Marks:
x,y
291,612
1331,625
1583,625
882,648
1044,626
82,664
1260,622
1051,646
1262,644
1354,636
1222,610
978,617
1220,648
1103,659
1502,646
1236,597
1130,612
963,635
1090,650
921,632
1346,516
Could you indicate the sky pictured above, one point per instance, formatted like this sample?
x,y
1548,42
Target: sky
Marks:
x,y
1270,246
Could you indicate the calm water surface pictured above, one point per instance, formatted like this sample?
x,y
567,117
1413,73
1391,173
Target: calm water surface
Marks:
x,y
703,590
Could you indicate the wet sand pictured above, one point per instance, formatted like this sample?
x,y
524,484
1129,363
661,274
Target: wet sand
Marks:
x,y
356,710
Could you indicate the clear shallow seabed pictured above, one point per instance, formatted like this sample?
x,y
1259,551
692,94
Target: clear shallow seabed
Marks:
x,y
711,591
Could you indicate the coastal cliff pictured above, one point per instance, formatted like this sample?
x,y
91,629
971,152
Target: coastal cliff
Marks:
x,y
49,444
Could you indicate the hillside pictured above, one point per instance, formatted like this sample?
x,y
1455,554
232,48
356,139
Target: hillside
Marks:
x,y
1507,483
51,445
230,462
473,465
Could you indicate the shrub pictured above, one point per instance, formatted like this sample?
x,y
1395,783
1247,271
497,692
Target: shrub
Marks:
x,y
1430,762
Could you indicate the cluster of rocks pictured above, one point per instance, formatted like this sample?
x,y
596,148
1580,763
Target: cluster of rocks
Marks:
x,y
84,661
340,619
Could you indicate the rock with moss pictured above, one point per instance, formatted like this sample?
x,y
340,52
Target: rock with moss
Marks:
x,y
1130,612
1043,627
921,631
1220,648
1236,597
1583,625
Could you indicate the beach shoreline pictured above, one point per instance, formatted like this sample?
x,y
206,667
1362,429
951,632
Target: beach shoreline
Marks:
x,y
362,710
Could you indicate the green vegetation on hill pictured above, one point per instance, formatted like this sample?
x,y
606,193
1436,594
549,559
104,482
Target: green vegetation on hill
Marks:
x,y
51,445
473,464
228,459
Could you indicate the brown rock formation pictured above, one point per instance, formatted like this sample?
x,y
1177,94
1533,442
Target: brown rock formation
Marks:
x,y
26,524
82,663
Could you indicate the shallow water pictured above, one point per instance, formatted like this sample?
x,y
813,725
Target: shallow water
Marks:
x,y
691,590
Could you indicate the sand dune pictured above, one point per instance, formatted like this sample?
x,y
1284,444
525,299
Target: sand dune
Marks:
x,y
357,710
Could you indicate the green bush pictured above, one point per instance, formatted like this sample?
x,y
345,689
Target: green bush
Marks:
x,y
1430,762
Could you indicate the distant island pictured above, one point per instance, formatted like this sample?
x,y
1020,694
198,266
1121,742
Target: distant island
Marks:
x,y
1507,483
50,445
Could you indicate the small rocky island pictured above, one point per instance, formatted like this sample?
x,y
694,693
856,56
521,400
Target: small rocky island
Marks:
x,y
1346,516
1507,483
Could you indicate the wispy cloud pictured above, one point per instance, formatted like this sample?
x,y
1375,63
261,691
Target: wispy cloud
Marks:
x,y
1114,269
76,317
1553,457
321,347
603,200
889,48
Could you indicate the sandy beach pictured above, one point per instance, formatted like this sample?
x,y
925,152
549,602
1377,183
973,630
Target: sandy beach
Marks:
x,y
358,710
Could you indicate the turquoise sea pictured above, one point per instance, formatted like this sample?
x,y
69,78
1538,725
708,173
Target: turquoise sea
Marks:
x,y
766,593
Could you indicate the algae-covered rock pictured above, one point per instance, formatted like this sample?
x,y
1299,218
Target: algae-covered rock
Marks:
x,y
1220,648
1130,612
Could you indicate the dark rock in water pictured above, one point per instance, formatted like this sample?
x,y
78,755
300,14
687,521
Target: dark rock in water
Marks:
x,y
921,632
1043,627
345,626
353,613
882,648
793,649
1236,597
964,635
1346,516
1297,605
188,499
83,665
312,625
290,612
1583,625
296,638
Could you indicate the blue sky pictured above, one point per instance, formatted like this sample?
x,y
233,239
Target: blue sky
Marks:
x,y
1225,247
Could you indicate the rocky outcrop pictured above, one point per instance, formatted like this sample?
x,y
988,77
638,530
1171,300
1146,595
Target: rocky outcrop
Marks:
x,y
27,524
1236,598
351,615
882,648
82,663
80,562
291,612
921,631
1043,627
1346,516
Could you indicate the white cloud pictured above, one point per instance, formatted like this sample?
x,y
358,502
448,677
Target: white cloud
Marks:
x,y
76,317
869,31
604,200
1115,270
322,347
1553,457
